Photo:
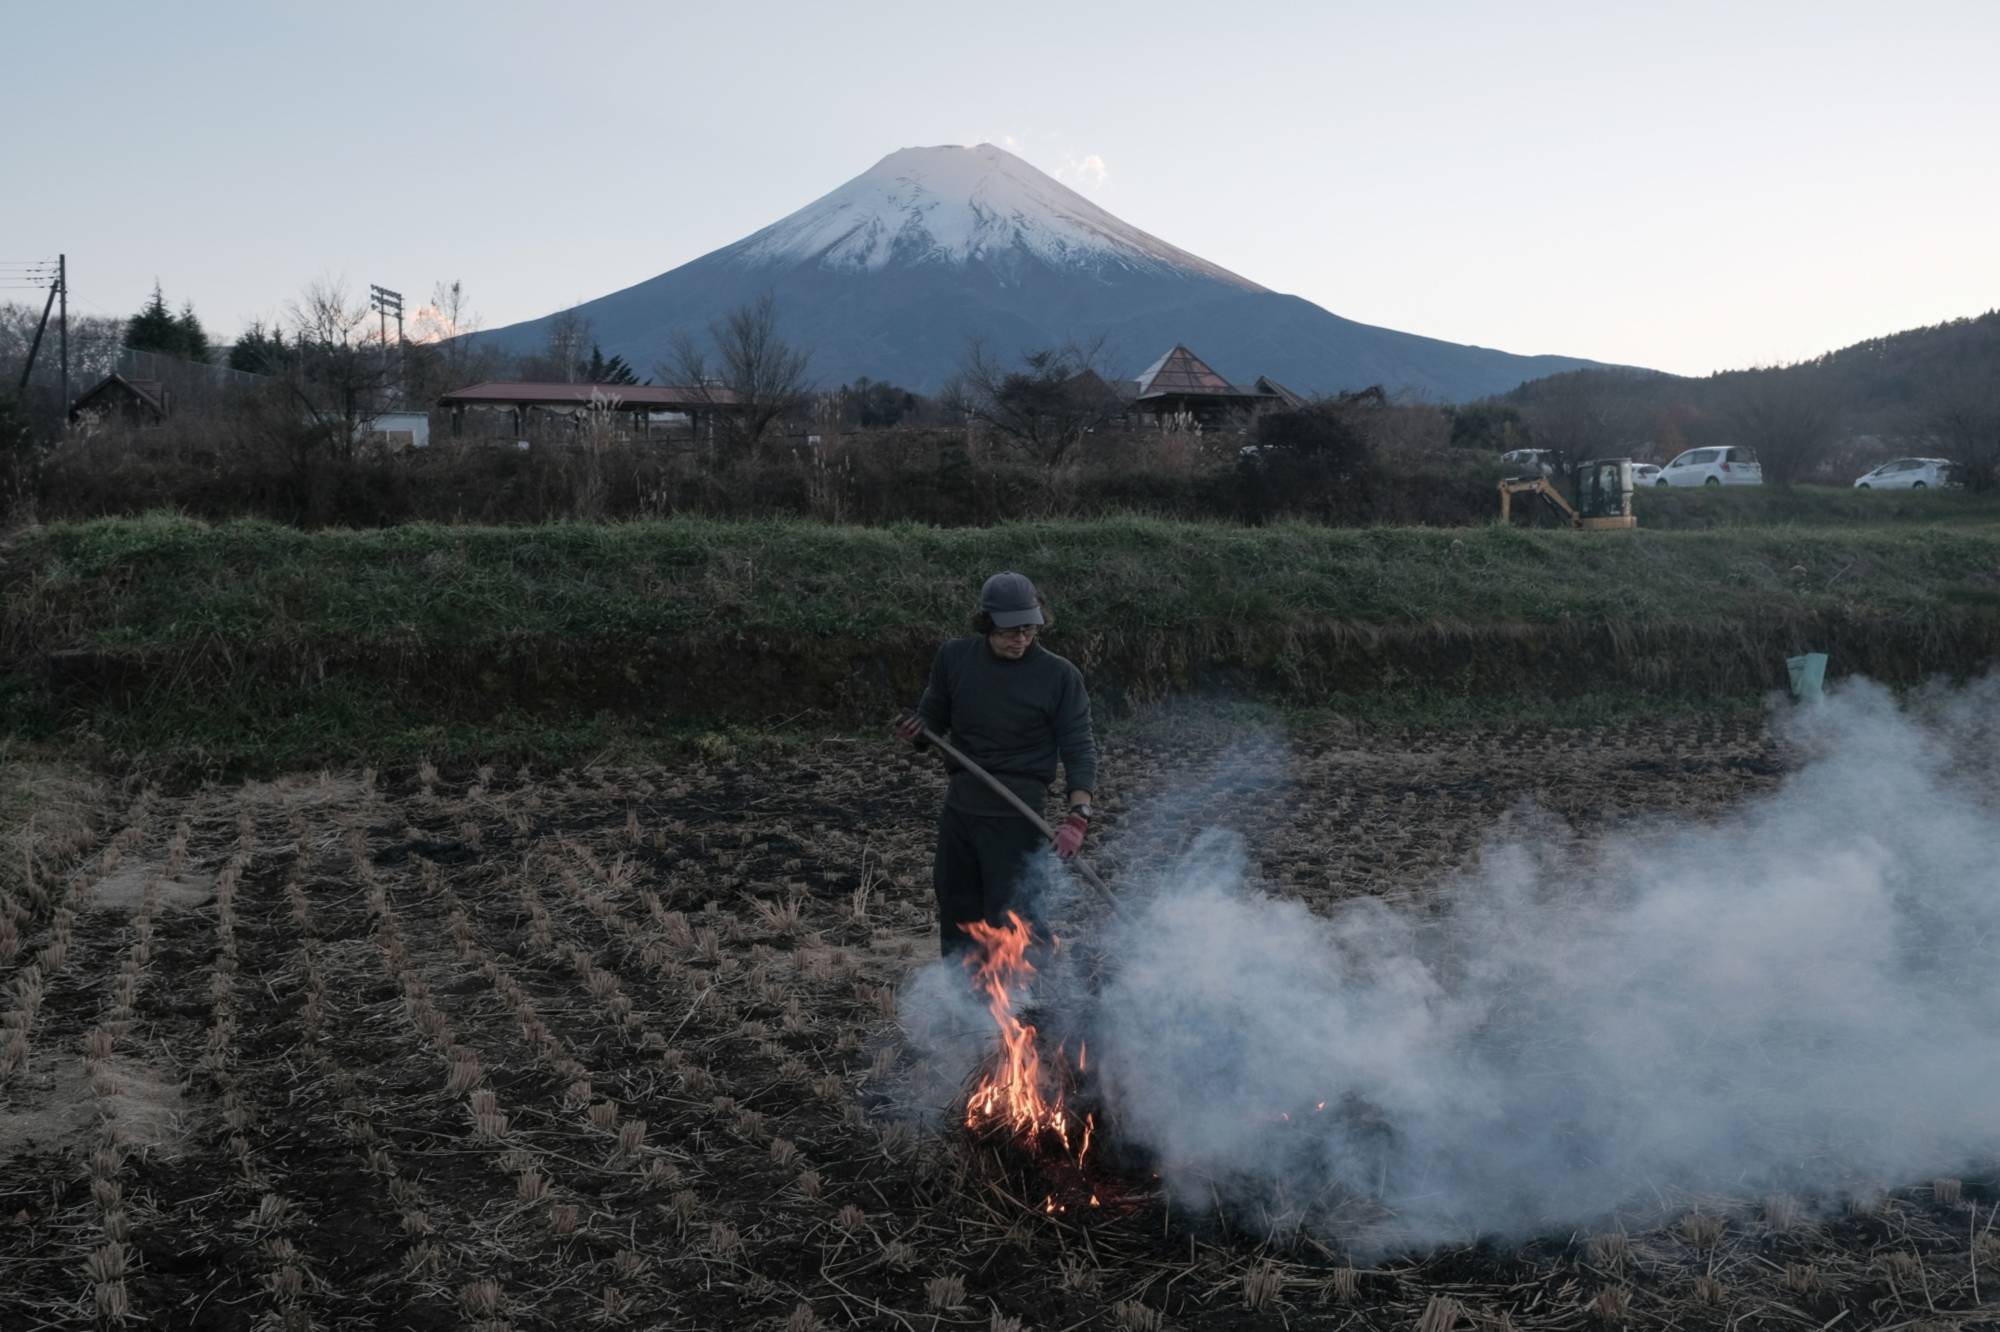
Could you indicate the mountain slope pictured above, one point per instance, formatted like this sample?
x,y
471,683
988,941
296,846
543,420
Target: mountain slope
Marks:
x,y
891,274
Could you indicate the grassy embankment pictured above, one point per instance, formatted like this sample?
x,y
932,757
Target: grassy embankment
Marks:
x,y
253,644
1698,508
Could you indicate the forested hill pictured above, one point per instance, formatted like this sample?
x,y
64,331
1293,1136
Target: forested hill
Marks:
x,y
1883,386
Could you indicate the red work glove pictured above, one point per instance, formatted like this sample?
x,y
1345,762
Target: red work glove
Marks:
x,y
910,727
1069,837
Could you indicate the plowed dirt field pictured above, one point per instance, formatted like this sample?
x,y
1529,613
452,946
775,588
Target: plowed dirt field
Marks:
x,y
539,1050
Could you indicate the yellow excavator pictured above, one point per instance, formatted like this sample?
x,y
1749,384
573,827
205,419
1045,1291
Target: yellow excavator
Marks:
x,y
1603,496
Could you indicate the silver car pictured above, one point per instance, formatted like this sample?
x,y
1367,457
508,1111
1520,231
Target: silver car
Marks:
x,y
1907,474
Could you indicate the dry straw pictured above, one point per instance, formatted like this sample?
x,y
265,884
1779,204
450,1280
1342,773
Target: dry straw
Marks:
x,y
1702,1230
424,1260
1781,1212
1610,1251
632,1136
1263,1286
1613,1304
1132,1316
945,1292
483,1298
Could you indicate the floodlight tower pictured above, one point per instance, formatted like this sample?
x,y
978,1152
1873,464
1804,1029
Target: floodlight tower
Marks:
x,y
386,303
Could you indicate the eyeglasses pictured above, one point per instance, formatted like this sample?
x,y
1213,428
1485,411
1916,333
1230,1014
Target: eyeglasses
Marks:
x,y
1020,631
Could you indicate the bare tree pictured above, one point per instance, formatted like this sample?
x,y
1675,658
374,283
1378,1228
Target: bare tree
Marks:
x,y
94,343
1788,417
446,355
342,378
567,344
767,377
1046,405
1961,416
1582,419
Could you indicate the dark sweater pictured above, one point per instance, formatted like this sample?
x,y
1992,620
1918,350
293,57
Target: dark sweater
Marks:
x,y
1012,718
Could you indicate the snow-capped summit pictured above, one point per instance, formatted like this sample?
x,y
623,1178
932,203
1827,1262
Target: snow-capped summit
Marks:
x,y
895,274
955,205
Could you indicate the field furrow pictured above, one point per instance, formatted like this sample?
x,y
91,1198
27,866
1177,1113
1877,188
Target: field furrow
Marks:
x,y
509,1050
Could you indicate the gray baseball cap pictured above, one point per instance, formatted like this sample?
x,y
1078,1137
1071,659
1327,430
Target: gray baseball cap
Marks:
x,y
1011,600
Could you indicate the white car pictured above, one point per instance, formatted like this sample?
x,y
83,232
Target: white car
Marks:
x,y
1645,474
1907,474
1729,465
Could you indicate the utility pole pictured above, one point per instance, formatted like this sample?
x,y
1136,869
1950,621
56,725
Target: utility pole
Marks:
x,y
36,346
62,328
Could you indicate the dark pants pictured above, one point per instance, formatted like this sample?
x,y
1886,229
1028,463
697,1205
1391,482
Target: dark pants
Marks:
x,y
981,866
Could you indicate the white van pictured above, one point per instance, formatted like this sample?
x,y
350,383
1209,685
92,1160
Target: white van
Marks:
x,y
1730,465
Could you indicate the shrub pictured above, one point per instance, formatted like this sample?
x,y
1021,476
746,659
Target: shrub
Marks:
x,y
1322,463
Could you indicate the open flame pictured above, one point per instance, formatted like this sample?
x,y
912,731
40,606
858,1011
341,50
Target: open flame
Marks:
x,y
1019,1095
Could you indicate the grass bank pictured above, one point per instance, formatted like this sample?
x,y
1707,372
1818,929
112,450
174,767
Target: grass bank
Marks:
x,y
1700,508
277,644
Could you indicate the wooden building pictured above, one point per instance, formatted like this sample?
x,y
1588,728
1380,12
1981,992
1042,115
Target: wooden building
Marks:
x,y
1180,390
133,401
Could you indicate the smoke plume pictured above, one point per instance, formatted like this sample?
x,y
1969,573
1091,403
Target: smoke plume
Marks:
x,y
1800,993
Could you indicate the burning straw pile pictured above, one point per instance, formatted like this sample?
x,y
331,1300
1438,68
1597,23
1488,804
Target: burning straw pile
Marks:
x,y
1016,1100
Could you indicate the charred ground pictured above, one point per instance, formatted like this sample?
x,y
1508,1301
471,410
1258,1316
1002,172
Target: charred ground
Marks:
x,y
508,1048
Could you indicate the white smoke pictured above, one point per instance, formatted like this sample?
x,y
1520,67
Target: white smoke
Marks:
x,y
1800,992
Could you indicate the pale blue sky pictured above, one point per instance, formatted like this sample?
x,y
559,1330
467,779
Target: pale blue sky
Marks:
x,y
1688,186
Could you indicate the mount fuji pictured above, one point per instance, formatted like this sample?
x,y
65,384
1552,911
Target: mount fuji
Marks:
x,y
890,275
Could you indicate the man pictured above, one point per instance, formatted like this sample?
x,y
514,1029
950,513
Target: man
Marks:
x,y
1012,707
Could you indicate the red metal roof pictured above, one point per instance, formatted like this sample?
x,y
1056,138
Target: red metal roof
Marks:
x,y
669,397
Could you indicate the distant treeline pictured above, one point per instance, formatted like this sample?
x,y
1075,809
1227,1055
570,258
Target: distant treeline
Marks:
x,y
1933,391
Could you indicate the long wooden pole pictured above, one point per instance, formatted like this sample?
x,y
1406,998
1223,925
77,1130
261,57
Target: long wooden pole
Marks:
x,y
1022,808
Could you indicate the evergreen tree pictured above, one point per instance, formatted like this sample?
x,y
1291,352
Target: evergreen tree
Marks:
x,y
874,405
157,329
193,337
154,328
602,371
262,352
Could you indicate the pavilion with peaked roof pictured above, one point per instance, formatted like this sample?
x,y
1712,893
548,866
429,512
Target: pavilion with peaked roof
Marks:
x,y
1180,386
522,400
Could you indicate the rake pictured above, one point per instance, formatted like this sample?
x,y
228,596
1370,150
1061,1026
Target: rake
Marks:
x,y
1027,812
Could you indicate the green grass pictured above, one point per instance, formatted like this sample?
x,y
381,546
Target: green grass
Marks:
x,y
251,646
162,581
261,728
220,736
1695,508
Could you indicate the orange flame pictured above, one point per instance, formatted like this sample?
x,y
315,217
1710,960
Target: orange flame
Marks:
x,y
1017,1096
